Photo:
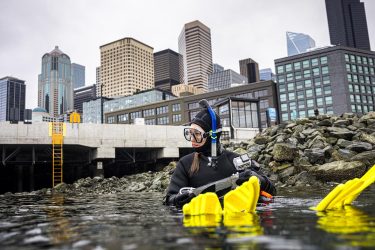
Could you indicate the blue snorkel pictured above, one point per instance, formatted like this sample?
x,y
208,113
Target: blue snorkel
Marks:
x,y
213,133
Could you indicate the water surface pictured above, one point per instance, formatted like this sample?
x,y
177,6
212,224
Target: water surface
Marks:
x,y
140,221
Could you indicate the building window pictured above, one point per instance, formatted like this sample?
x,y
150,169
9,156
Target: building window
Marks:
x,y
358,98
352,98
297,65
148,112
307,83
352,58
306,64
193,105
111,119
318,91
136,114
310,103
176,118
244,115
162,110
323,60
316,71
263,104
325,70
307,73
309,93
176,107
354,68
290,86
364,59
328,100
283,97
282,88
317,82
327,90
122,118
371,61
326,80
284,117
150,122
224,110
289,77
288,67
310,112
284,107
348,68
163,120
350,78
291,96
280,69
314,62
319,101
297,75
300,95
359,108
355,78
347,58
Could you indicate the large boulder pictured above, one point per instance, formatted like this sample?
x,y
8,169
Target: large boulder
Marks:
x,y
284,152
342,133
339,170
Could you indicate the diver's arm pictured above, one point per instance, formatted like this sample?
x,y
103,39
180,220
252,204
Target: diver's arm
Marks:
x,y
179,179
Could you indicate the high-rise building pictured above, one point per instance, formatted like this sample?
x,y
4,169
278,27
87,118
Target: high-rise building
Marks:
x,y
334,80
225,79
194,44
83,94
12,99
298,43
266,75
168,68
126,67
217,68
347,23
250,69
78,75
55,89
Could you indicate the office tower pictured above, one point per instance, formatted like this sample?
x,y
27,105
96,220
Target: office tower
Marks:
x,y
194,44
347,23
126,67
298,43
333,80
97,81
78,75
217,68
55,89
250,69
266,75
225,79
168,68
12,99
83,94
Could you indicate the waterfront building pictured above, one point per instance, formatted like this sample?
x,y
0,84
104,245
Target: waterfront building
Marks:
x,y
12,99
298,43
83,94
194,44
179,111
250,69
267,75
217,68
78,75
55,89
168,69
92,110
332,80
126,67
225,79
347,23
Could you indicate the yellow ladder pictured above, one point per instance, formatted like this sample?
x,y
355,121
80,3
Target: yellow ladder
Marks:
x,y
57,152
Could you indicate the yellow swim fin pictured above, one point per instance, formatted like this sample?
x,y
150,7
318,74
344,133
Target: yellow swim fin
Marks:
x,y
207,203
344,194
244,198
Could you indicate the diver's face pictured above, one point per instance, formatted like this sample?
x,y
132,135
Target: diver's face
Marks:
x,y
198,132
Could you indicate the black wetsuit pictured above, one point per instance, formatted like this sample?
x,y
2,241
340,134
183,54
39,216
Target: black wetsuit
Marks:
x,y
207,174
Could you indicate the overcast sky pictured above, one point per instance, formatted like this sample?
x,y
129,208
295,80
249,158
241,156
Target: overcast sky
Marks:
x,y
239,29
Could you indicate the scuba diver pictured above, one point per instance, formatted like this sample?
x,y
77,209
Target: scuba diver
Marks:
x,y
210,163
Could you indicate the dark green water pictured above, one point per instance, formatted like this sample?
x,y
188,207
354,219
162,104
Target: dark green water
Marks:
x,y
140,221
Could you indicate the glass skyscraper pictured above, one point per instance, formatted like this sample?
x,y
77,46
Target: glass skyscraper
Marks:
x,y
298,43
78,75
347,23
55,89
12,99
225,79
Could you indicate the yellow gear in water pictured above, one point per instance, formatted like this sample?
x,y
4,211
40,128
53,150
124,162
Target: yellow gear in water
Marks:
x,y
345,194
242,199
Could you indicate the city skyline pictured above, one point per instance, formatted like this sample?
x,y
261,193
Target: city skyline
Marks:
x,y
78,31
